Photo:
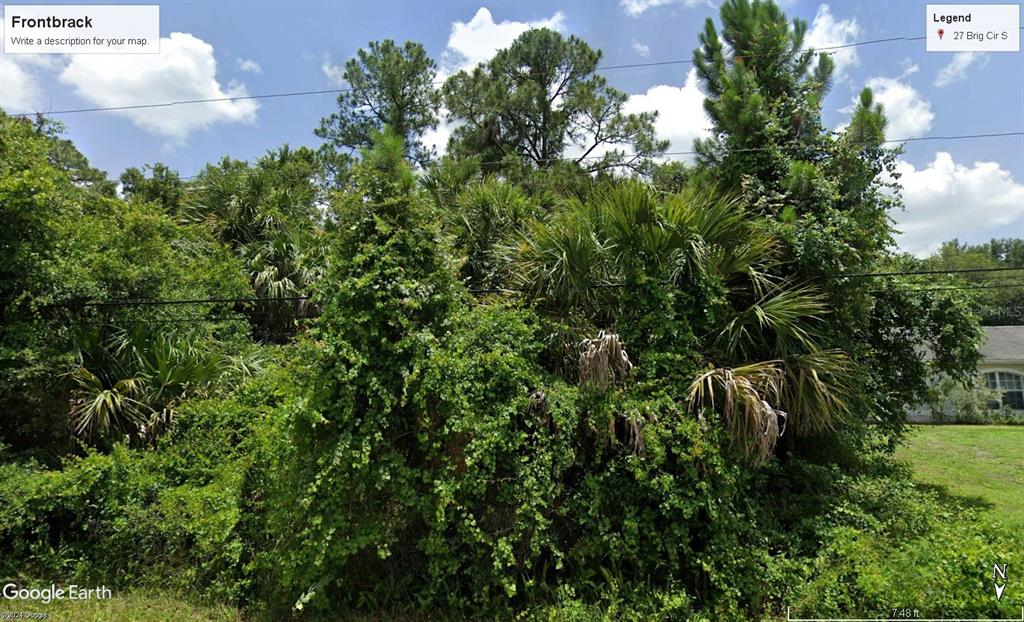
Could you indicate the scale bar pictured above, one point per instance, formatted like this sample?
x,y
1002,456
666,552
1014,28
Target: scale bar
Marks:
x,y
790,619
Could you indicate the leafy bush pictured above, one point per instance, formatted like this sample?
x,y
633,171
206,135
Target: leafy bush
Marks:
x,y
888,543
166,517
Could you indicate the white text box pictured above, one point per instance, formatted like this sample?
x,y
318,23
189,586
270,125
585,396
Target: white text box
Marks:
x,y
81,29
973,27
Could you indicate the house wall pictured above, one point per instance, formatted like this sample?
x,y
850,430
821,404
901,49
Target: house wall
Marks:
x,y
924,415
1016,366
994,366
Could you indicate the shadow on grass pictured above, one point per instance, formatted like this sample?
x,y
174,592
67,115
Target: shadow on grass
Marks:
x,y
956,500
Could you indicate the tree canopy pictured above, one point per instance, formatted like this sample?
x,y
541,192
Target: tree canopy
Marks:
x,y
550,375
541,100
384,85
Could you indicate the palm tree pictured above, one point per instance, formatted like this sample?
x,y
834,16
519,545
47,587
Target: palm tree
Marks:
x,y
267,215
132,382
482,217
765,370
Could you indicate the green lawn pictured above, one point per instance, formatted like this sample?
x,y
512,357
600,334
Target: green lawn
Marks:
x,y
982,463
134,607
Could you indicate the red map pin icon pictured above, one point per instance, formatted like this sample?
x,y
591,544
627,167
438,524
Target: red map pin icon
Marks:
x,y
941,32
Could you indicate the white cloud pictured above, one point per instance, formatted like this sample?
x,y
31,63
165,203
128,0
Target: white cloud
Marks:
x,y
474,42
909,68
335,73
469,44
910,115
247,64
637,7
437,138
957,68
641,49
826,32
185,69
19,89
946,200
681,116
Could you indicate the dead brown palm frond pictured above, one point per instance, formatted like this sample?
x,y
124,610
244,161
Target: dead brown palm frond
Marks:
x,y
633,435
747,397
539,408
603,361
815,388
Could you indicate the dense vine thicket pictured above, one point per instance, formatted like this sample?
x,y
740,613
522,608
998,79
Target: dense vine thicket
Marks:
x,y
499,384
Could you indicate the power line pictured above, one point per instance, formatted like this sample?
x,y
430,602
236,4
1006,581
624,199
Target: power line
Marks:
x,y
155,302
195,319
776,147
492,290
816,50
926,272
733,150
823,50
962,287
151,302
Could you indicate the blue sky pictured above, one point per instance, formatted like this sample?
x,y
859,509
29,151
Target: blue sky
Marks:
x,y
971,189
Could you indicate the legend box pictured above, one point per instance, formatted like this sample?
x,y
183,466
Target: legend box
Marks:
x,y
973,27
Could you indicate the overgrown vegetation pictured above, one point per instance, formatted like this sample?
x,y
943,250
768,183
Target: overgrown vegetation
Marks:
x,y
505,383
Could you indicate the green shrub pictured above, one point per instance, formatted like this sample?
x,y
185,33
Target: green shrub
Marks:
x,y
888,543
166,517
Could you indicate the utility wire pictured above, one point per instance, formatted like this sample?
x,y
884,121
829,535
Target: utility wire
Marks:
x,y
961,287
132,303
196,319
908,287
927,272
775,147
735,150
150,302
211,100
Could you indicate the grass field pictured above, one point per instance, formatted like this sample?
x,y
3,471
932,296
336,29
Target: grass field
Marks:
x,y
134,607
983,464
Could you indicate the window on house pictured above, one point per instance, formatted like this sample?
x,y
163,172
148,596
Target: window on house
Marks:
x,y
1010,384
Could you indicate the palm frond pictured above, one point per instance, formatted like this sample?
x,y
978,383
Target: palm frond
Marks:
x,y
747,398
603,361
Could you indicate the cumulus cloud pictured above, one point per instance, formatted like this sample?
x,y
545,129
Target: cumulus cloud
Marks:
x,y
249,65
827,32
474,42
946,199
437,138
910,115
681,116
957,68
637,7
19,87
641,49
335,73
469,44
909,68
185,69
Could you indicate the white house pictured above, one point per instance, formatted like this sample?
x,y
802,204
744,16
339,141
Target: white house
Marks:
x,y
1002,364
1001,369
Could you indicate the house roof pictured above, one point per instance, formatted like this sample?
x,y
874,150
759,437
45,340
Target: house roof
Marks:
x,y
1003,343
